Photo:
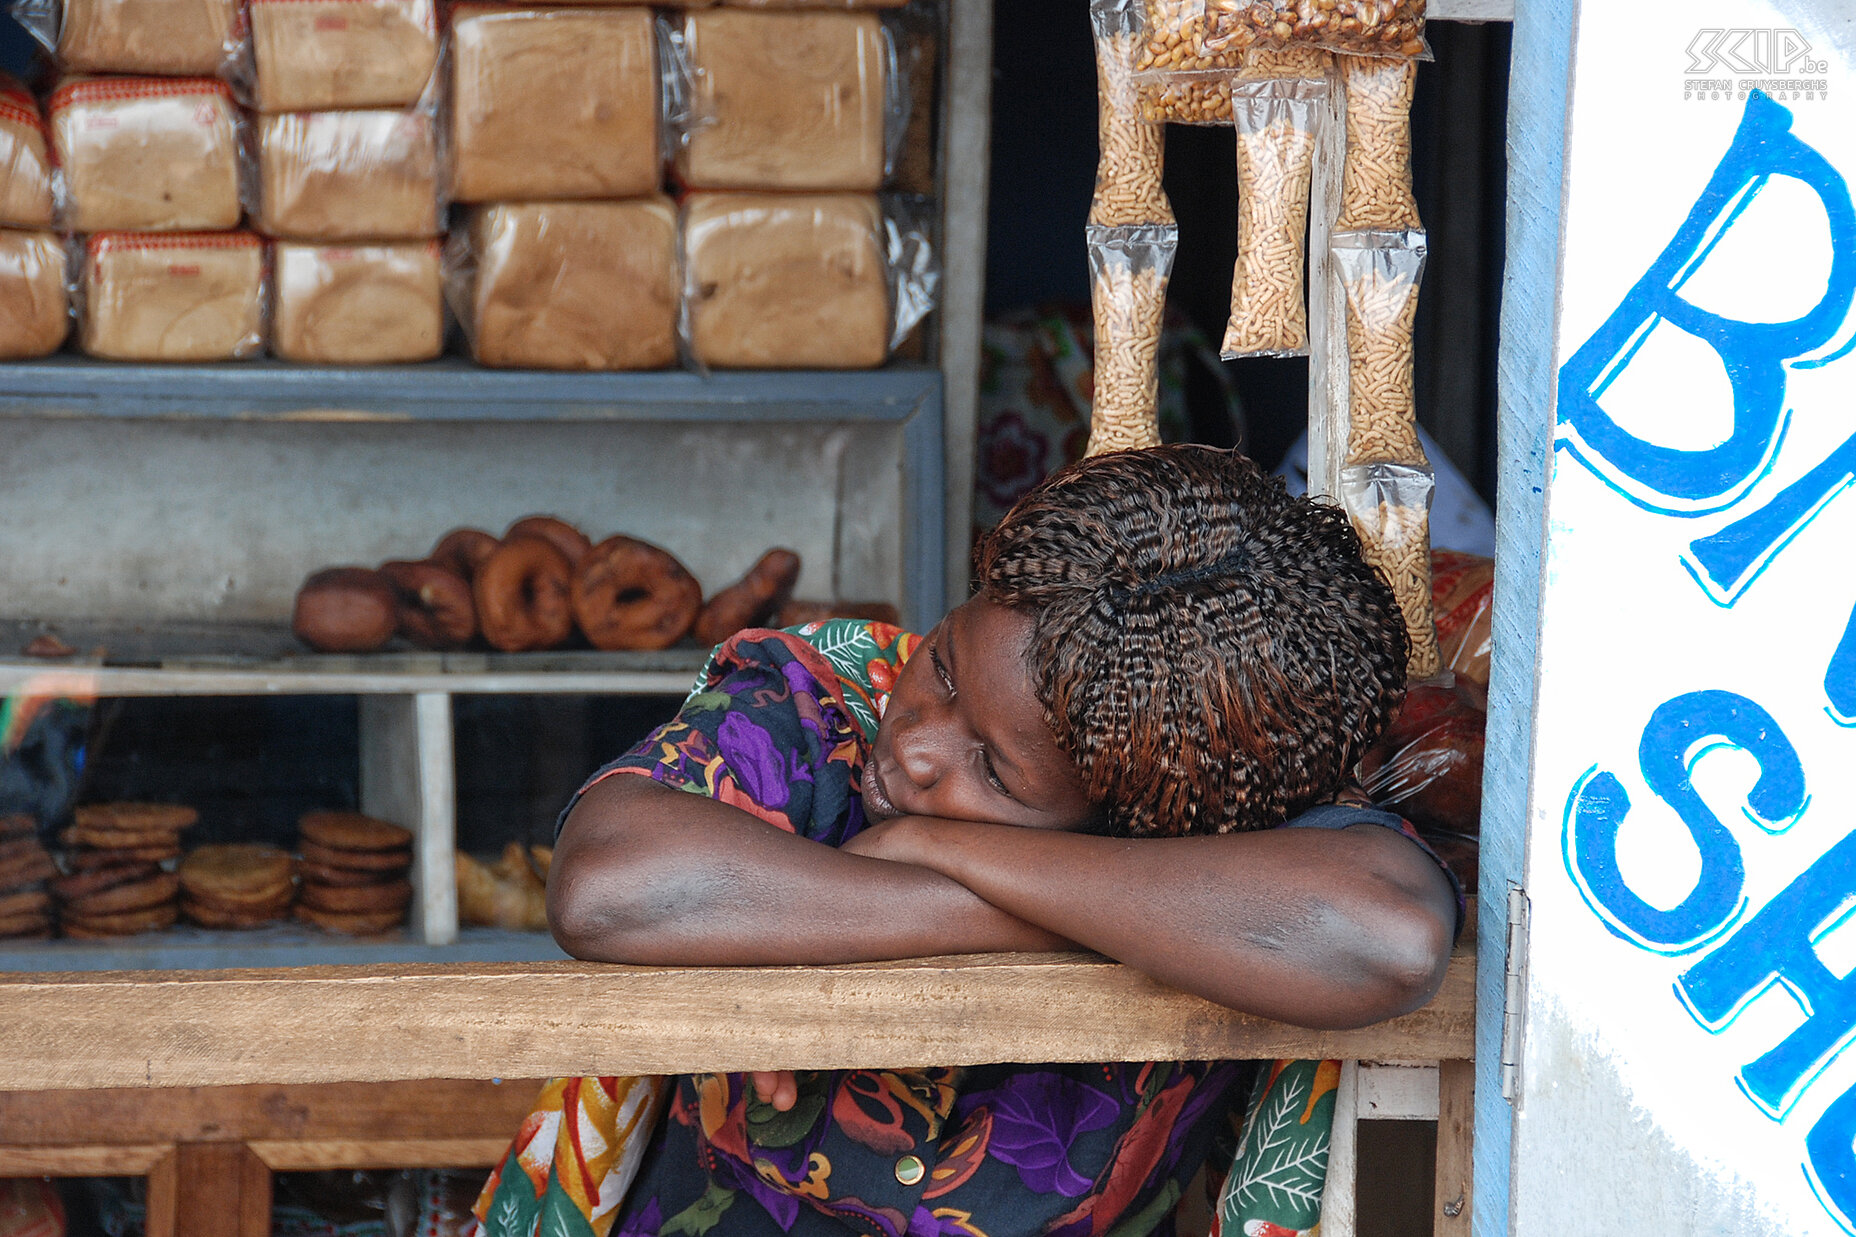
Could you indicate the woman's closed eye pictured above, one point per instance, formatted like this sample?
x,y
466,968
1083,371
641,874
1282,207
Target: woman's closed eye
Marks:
x,y
992,775
940,670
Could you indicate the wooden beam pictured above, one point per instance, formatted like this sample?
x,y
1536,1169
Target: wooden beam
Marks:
x,y
361,1024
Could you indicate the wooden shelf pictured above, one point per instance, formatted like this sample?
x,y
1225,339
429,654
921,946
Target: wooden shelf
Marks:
x,y
284,944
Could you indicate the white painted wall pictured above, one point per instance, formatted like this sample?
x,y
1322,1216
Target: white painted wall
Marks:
x,y
1656,984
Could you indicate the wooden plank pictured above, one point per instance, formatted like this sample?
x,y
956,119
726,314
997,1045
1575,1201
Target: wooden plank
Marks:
x,y
37,679
81,1122
966,167
1339,1197
223,1190
1328,372
1397,1091
1470,10
97,1160
407,778
1456,1119
342,1024
163,1197
286,1156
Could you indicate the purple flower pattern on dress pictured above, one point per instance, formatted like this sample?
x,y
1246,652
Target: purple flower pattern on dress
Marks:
x,y
1036,1117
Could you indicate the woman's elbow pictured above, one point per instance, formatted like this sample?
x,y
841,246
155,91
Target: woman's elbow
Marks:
x,y
602,916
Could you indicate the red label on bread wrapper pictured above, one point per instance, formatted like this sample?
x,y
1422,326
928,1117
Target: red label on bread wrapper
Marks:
x,y
183,270
120,89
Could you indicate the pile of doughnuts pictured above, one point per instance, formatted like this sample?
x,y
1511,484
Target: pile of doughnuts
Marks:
x,y
236,885
25,866
117,882
354,870
543,584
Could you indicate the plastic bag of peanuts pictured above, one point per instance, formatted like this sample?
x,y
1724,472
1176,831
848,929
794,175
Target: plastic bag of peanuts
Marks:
x,y
1204,34
1128,271
1379,273
1375,187
1277,128
1133,148
1390,506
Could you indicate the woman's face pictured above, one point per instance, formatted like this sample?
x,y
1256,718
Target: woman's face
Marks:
x,y
963,736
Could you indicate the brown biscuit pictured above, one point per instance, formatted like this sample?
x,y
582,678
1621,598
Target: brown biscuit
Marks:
x,y
135,896
352,831
16,824
349,899
357,860
357,924
116,839
27,870
26,923
87,881
236,872
31,902
208,915
111,856
135,817
323,874
124,923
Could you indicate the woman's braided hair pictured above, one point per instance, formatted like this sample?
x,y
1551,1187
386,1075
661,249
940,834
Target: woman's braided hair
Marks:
x,y
1214,653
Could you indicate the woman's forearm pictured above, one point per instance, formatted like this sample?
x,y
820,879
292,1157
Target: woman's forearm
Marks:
x,y
1318,927
646,874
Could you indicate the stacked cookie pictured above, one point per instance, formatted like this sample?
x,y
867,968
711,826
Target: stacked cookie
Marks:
x,y
354,871
25,866
115,883
237,885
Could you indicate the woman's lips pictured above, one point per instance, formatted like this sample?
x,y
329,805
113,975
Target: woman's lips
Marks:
x,y
875,796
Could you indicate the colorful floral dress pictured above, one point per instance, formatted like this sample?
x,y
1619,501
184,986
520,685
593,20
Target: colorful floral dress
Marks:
x,y
779,725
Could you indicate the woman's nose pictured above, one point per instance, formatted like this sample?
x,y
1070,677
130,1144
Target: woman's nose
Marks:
x,y
913,748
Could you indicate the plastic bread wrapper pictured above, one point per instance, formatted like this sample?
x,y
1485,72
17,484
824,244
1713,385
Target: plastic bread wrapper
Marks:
x,y
1390,506
26,173
171,296
803,281
154,154
348,176
1379,274
170,38
328,55
1428,765
1278,127
1199,35
1463,593
1132,158
1128,272
364,304
35,297
750,105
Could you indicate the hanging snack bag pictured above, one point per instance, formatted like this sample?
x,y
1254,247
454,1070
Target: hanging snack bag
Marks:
x,y
1375,182
363,175
170,38
1128,270
34,307
1390,506
25,164
553,103
314,55
157,154
1379,273
1133,149
1276,132
786,101
788,281
568,285
178,296
358,304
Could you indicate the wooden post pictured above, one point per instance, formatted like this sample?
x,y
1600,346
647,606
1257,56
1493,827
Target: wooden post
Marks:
x,y
407,777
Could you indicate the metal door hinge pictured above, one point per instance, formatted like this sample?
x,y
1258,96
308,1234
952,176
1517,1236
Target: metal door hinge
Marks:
x,y
1513,994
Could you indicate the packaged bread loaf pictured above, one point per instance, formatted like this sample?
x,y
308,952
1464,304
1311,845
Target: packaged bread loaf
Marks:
x,y
34,311
570,285
25,168
357,304
173,38
553,103
363,175
785,281
785,100
181,296
314,55
157,154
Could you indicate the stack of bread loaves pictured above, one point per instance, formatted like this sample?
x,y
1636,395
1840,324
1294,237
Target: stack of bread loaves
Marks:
x,y
348,177
569,256
145,143
784,147
34,313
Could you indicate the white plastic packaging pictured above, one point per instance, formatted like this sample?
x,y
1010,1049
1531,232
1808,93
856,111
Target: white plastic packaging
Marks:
x,y
34,304
319,55
357,304
1132,156
155,154
1390,506
1277,125
360,175
1379,274
172,296
25,160
171,38
1128,268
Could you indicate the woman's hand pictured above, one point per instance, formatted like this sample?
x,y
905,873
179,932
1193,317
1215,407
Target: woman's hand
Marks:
x,y
777,1087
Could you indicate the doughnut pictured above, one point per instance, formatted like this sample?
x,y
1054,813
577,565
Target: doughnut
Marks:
x,y
628,594
436,607
345,610
751,600
797,613
462,549
524,596
566,538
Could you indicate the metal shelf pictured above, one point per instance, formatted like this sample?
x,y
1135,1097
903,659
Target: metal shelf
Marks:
x,y
454,389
